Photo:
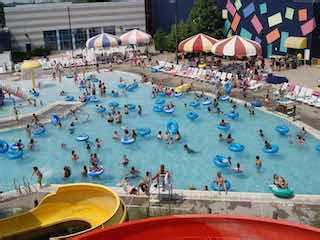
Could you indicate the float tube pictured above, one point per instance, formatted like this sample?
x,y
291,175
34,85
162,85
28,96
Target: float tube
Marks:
x,y
282,129
82,138
4,146
95,173
218,160
192,115
172,127
281,192
143,131
221,188
274,149
236,147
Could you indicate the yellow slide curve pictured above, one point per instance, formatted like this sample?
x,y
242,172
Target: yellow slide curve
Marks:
x,y
183,88
72,205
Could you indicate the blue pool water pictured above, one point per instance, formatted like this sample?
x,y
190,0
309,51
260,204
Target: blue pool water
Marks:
x,y
300,165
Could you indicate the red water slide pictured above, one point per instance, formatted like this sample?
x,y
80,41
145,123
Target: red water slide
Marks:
x,y
205,227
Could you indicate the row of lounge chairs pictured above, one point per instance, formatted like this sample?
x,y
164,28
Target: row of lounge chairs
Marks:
x,y
302,94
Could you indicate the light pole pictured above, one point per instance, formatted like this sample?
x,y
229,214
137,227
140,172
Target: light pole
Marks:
x,y
70,30
176,26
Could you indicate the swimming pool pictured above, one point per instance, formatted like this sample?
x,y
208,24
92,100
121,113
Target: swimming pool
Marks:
x,y
300,165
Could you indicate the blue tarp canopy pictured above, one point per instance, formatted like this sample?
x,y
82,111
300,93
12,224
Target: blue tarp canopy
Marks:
x,y
276,79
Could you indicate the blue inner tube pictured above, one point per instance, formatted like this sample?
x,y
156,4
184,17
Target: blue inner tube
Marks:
x,y
94,99
224,98
127,140
101,109
55,119
282,129
221,188
131,87
143,131
274,149
38,131
178,94
226,127
113,104
161,94
318,147
14,146
172,126
194,104
236,147
218,160
82,86
171,110
233,115
192,115
94,79
157,108
4,146
159,101
95,173
83,137
69,98
131,106
256,103
114,94
206,102
227,88
14,154
122,85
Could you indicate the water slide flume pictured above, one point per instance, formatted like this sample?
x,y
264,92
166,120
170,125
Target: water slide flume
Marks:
x,y
198,227
83,207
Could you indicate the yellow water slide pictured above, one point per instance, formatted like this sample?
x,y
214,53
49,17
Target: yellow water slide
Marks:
x,y
71,210
183,88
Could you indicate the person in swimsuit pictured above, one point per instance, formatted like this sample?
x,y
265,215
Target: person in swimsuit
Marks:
x,y
66,172
220,183
188,150
258,162
36,172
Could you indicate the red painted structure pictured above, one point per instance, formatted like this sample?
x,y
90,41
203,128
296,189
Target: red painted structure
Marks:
x,y
205,227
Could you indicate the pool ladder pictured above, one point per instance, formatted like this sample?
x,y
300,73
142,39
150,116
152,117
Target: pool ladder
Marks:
x,y
26,186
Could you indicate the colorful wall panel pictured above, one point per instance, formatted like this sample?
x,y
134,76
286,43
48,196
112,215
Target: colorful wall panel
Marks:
x,y
271,22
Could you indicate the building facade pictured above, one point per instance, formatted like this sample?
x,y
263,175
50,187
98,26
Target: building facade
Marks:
x,y
272,22
65,26
161,14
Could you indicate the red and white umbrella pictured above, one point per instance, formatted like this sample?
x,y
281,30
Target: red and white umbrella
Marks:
x,y
197,43
237,46
135,37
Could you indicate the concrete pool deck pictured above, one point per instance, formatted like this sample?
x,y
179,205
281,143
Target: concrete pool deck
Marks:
x,y
302,208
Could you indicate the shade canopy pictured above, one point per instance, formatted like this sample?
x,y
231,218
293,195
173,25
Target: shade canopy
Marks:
x,y
197,43
30,65
296,42
237,46
103,40
135,37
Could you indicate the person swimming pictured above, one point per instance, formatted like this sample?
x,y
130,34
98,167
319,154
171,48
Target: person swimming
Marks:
x,y
220,183
279,181
84,171
188,149
125,160
300,140
267,145
116,135
178,136
98,142
74,156
238,169
133,172
72,128
260,132
159,135
66,172
258,162
223,123
139,109
31,144
229,139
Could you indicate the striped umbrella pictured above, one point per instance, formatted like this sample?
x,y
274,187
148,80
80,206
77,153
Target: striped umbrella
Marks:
x,y
197,43
135,37
103,40
237,46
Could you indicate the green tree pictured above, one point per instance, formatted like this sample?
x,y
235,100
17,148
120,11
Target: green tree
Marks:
x,y
205,17
183,31
160,40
